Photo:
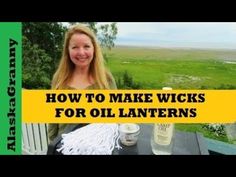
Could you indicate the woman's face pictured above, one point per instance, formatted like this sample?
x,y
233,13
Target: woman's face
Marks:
x,y
81,50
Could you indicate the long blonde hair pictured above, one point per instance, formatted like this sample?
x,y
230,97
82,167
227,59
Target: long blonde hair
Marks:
x,y
97,69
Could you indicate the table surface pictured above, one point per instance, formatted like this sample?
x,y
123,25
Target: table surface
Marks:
x,y
185,143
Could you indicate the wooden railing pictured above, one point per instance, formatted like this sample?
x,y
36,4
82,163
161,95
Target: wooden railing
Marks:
x,y
218,147
34,139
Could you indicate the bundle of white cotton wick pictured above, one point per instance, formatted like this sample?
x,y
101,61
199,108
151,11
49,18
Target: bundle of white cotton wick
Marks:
x,y
93,139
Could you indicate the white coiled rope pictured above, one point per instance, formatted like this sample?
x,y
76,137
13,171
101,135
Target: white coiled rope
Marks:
x,y
93,139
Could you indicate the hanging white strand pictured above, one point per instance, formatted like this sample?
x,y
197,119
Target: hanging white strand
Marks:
x,y
93,139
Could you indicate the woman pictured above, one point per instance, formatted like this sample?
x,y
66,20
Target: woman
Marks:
x,y
81,67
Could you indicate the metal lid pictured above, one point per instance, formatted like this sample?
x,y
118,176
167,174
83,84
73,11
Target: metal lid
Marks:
x,y
129,128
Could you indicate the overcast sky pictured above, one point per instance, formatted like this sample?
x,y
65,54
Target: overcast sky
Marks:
x,y
178,34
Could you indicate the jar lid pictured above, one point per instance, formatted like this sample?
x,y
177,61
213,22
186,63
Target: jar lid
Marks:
x,y
166,88
129,128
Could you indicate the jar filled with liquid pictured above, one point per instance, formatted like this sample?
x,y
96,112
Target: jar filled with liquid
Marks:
x,y
162,136
162,139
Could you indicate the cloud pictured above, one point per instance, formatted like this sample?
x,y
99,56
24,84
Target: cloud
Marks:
x,y
198,34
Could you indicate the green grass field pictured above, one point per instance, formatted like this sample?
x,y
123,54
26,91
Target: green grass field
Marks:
x,y
177,68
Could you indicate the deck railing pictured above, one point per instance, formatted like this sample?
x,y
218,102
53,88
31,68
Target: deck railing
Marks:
x,y
34,139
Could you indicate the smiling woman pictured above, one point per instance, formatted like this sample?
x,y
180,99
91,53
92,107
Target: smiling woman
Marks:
x,y
82,63
81,67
